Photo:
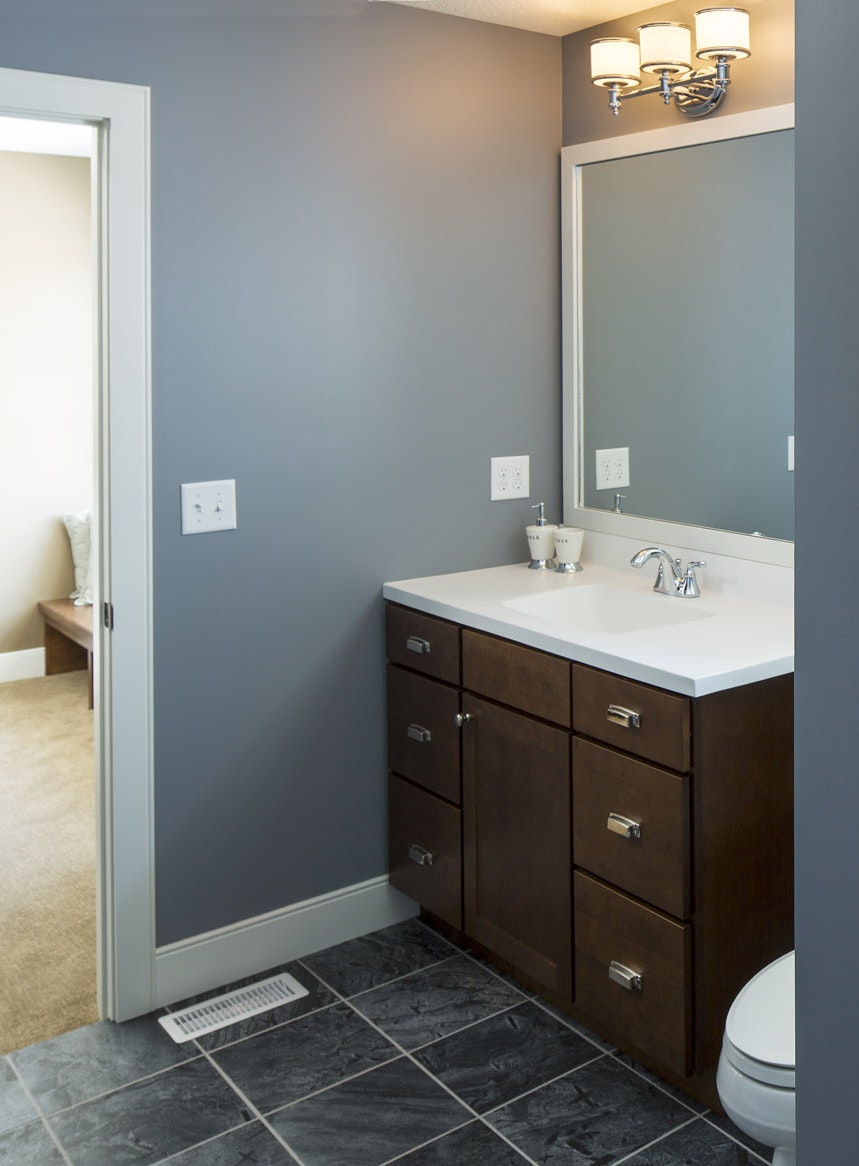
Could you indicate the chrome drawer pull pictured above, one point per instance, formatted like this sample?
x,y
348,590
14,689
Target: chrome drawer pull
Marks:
x,y
416,644
624,976
461,719
626,827
626,718
420,734
421,855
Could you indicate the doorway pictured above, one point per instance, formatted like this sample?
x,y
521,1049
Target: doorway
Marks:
x,y
47,465
119,116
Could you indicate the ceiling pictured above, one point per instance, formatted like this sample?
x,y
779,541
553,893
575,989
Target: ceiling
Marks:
x,y
556,17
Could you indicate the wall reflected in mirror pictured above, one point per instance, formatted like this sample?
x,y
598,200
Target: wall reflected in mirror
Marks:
x,y
686,348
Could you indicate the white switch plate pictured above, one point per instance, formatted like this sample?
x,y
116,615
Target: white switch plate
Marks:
x,y
510,477
612,468
791,461
208,506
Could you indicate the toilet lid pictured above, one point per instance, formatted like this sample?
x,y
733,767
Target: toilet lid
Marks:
x,y
760,1024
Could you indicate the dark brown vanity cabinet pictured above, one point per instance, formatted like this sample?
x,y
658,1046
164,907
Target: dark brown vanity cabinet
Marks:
x,y
626,847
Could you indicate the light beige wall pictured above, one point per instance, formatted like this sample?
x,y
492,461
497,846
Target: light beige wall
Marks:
x,y
765,79
46,392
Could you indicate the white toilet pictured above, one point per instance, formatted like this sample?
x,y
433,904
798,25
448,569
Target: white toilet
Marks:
x,y
757,1068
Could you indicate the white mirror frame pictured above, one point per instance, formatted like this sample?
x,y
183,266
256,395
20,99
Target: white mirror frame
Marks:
x,y
573,158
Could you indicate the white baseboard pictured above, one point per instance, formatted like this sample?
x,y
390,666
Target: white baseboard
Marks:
x,y
26,665
253,946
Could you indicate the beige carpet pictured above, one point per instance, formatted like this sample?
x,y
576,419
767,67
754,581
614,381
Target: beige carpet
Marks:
x,y
47,859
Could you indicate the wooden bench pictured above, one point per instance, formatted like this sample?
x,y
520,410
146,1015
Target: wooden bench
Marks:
x,y
68,638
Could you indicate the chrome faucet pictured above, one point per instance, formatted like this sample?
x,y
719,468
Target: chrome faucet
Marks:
x,y
682,581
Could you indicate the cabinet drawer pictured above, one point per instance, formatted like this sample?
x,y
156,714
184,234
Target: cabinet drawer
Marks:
x,y
422,642
652,862
425,849
654,1016
602,701
521,677
423,739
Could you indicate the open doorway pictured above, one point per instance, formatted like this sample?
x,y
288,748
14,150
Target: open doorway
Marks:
x,y
48,443
118,116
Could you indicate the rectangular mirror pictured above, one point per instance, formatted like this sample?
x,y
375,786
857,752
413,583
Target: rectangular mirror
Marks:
x,y
678,334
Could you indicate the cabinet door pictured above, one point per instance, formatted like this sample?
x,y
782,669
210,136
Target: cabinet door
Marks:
x,y
516,841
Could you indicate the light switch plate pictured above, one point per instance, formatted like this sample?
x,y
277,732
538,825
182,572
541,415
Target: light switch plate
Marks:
x,y
208,506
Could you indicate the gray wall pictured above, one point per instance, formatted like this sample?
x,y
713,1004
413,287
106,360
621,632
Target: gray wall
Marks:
x,y
827,569
765,79
355,304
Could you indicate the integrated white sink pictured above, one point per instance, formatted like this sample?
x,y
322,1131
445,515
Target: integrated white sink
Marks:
x,y
596,607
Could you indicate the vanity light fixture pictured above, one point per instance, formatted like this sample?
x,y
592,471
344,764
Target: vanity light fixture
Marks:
x,y
664,49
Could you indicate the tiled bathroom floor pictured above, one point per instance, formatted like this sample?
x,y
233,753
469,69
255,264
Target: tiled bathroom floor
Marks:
x,y
405,1050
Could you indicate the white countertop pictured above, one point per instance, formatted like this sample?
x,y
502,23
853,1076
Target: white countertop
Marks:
x,y
737,639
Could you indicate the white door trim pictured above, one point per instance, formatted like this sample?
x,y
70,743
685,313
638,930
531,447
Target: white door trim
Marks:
x,y
124,750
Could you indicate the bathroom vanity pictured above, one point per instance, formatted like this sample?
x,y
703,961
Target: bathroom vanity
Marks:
x,y
605,808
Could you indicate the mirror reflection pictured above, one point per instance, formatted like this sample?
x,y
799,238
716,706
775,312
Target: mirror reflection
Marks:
x,y
686,341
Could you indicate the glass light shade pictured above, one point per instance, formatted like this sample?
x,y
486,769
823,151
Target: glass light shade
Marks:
x,y
722,32
666,47
614,61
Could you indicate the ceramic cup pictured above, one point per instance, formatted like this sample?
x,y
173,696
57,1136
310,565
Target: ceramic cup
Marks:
x,y
568,544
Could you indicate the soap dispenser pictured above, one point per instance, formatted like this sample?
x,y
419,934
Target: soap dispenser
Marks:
x,y
541,541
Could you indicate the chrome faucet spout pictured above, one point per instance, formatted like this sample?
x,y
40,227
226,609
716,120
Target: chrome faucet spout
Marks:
x,y
681,583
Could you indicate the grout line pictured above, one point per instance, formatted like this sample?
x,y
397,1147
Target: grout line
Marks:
x,y
536,1089
405,976
657,1083
732,1138
504,1138
257,1113
125,1085
454,1032
423,1145
40,1115
655,1141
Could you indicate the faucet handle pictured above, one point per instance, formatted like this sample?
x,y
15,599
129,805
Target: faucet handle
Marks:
x,y
690,589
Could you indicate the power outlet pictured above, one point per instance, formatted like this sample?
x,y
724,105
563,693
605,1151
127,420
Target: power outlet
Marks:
x,y
510,477
612,468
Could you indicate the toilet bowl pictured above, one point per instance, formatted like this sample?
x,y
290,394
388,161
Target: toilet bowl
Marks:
x,y
757,1068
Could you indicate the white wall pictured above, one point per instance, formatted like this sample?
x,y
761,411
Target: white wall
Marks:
x,y
46,394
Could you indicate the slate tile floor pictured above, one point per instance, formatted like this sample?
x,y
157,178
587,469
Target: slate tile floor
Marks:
x,y
406,1050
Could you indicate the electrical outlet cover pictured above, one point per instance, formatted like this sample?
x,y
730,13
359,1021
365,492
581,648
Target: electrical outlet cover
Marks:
x,y
509,477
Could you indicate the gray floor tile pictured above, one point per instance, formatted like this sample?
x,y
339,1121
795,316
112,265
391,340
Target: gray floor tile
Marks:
x,y
370,1119
152,1119
90,1061
252,1145
318,996
695,1145
475,1145
499,1058
597,1114
436,1001
16,1109
29,1145
284,1064
379,957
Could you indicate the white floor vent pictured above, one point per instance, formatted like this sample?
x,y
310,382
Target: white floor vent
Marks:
x,y
210,1015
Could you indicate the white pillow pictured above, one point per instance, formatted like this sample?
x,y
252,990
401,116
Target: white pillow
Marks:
x,y
79,527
